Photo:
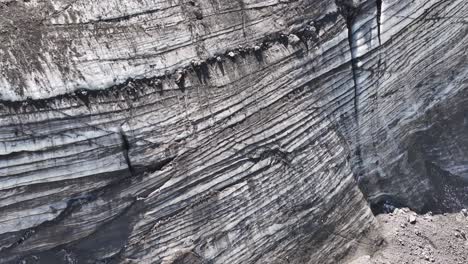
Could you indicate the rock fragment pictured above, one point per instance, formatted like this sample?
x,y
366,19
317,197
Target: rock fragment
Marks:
x,y
293,39
464,212
179,76
196,63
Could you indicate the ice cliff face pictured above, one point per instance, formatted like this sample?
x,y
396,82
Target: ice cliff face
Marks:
x,y
219,131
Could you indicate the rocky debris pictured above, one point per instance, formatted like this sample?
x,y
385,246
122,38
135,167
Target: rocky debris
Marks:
x,y
460,234
196,63
179,76
464,212
155,82
437,238
412,219
293,39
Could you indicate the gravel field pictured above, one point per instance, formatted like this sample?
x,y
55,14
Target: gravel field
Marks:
x,y
410,238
